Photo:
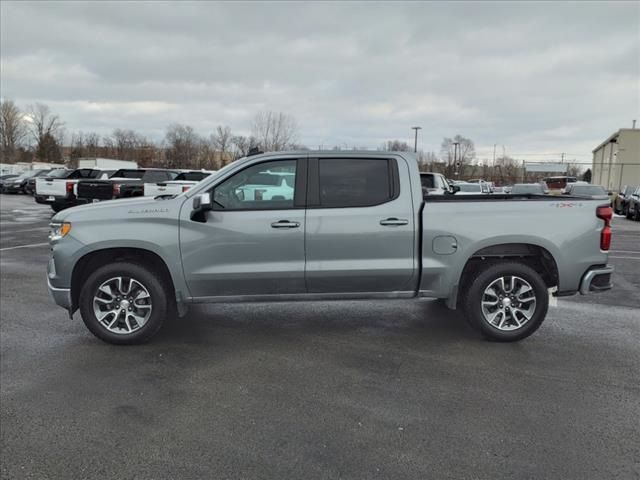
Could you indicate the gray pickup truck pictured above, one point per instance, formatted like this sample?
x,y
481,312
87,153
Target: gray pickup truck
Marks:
x,y
322,226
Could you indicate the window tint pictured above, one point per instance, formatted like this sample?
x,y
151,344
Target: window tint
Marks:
x,y
192,176
427,181
153,176
265,186
354,182
129,174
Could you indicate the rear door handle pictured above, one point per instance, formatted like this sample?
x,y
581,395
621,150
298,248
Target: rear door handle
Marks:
x,y
394,222
285,224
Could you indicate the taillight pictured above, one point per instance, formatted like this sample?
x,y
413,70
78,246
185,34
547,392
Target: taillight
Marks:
x,y
605,213
116,189
69,188
185,188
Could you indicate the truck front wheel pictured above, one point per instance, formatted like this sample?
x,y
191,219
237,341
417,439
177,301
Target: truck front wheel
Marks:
x,y
506,302
123,303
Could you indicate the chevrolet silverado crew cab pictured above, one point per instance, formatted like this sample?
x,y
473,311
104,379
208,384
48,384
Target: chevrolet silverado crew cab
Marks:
x,y
322,226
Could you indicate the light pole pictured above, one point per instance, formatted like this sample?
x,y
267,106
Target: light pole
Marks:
x,y
455,158
415,142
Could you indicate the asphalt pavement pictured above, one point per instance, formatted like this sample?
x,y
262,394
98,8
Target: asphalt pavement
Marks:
x,y
366,390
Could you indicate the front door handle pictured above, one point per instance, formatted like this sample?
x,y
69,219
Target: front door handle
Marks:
x,y
285,224
394,222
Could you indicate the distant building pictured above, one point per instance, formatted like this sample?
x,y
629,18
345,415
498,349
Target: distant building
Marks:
x,y
616,161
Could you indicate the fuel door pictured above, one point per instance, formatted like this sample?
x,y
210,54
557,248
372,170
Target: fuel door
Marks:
x,y
445,245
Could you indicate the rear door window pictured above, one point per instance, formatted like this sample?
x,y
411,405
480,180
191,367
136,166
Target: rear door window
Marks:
x,y
347,182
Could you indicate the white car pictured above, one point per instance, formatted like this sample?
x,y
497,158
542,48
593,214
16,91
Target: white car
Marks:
x,y
183,182
473,188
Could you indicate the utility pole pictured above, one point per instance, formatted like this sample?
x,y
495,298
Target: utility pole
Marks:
x,y
415,142
455,158
494,153
562,161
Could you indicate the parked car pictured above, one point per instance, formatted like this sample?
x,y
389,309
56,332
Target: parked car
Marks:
x,y
620,201
527,189
58,187
587,190
357,226
29,185
434,184
472,188
633,207
18,184
8,178
181,183
124,183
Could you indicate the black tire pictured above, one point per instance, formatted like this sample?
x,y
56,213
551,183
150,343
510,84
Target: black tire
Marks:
x,y
636,213
626,212
147,277
57,207
481,279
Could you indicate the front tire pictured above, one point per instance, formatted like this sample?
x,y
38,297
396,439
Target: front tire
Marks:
x,y
506,302
124,303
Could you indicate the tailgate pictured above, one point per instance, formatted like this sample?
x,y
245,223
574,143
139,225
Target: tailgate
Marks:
x,y
51,187
95,189
155,189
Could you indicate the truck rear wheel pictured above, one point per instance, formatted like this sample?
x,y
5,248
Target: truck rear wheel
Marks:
x,y
123,303
506,302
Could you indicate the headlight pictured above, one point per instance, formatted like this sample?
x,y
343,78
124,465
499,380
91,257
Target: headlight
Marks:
x,y
58,230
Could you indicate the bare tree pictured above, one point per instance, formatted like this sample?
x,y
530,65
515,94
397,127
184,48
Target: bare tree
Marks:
x,y
12,131
183,146
274,131
395,146
457,152
92,144
426,160
47,131
221,138
125,144
242,145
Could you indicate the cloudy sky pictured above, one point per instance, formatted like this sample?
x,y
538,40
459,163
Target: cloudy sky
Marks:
x,y
535,77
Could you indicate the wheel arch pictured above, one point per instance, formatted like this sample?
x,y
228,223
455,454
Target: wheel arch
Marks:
x,y
536,256
97,258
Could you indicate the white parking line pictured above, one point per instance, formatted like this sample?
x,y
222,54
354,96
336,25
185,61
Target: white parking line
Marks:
x,y
628,258
625,251
24,246
23,230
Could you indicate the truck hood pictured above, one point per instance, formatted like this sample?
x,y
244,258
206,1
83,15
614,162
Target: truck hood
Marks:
x,y
121,209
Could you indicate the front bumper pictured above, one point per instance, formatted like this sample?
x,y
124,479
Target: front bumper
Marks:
x,y
597,279
62,296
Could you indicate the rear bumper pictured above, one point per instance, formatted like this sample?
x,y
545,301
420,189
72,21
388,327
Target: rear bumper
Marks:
x,y
596,280
50,199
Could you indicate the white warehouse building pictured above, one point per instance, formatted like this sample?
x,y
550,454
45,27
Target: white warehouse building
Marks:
x,y
616,161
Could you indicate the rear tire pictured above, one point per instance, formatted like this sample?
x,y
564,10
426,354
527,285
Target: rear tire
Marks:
x,y
506,302
57,207
135,316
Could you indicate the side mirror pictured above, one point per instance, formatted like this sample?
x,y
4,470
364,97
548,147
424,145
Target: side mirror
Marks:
x,y
455,188
609,192
202,202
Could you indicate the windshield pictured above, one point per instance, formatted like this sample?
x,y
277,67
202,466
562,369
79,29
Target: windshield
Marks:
x,y
129,174
59,173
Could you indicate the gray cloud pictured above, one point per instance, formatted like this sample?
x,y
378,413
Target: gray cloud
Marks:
x,y
536,77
